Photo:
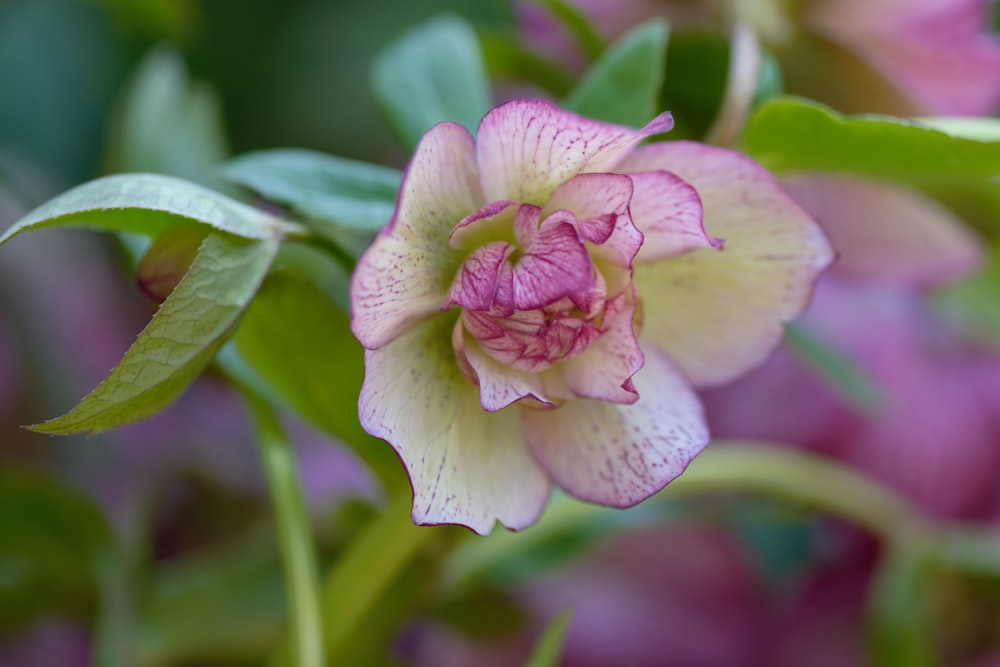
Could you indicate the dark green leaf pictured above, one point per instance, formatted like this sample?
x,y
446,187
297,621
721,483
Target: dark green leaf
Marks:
x,y
587,37
345,200
624,85
300,344
224,604
54,540
696,75
433,73
789,134
834,367
183,336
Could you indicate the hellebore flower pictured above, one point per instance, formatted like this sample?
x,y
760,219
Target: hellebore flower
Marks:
x,y
501,308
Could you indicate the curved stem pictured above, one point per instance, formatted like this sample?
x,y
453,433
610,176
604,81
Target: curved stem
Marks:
x,y
294,535
369,566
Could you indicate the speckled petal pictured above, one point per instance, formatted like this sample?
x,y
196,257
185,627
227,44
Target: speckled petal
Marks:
x,y
668,212
466,466
499,384
527,148
406,272
619,455
719,313
596,200
605,368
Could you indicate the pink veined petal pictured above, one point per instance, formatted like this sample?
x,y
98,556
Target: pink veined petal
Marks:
x,y
619,455
499,384
552,265
720,313
604,370
596,201
466,466
479,281
887,232
669,214
409,266
527,148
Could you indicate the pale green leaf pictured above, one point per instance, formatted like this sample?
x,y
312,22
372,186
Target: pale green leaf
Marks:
x,y
624,85
433,73
180,340
789,134
168,124
146,204
345,200
548,650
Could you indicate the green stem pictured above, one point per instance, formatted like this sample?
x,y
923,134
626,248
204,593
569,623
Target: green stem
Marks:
x,y
367,568
294,535
800,477
777,471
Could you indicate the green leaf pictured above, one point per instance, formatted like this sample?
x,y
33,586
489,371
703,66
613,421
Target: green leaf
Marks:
x,y
696,74
224,605
549,648
586,35
433,73
167,124
624,85
179,341
981,129
300,344
835,368
789,134
345,200
146,204
54,540
975,303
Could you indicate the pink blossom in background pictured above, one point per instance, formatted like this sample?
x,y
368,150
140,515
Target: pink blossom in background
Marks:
x,y
902,57
527,263
673,596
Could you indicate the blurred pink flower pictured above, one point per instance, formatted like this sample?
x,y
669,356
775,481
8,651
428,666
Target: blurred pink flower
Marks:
x,y
903,57
558,242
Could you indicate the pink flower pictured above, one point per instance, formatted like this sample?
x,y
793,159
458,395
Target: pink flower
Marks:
x,y
501,308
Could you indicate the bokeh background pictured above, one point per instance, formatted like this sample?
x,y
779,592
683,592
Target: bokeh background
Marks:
x,y
90,87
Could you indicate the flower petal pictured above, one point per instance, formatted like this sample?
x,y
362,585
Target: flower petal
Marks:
x,y
668,212
478,281
604,370
619,455
553,264
887,232
940,53
527,148
720,313
595,200
466,466
406,272
499,384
